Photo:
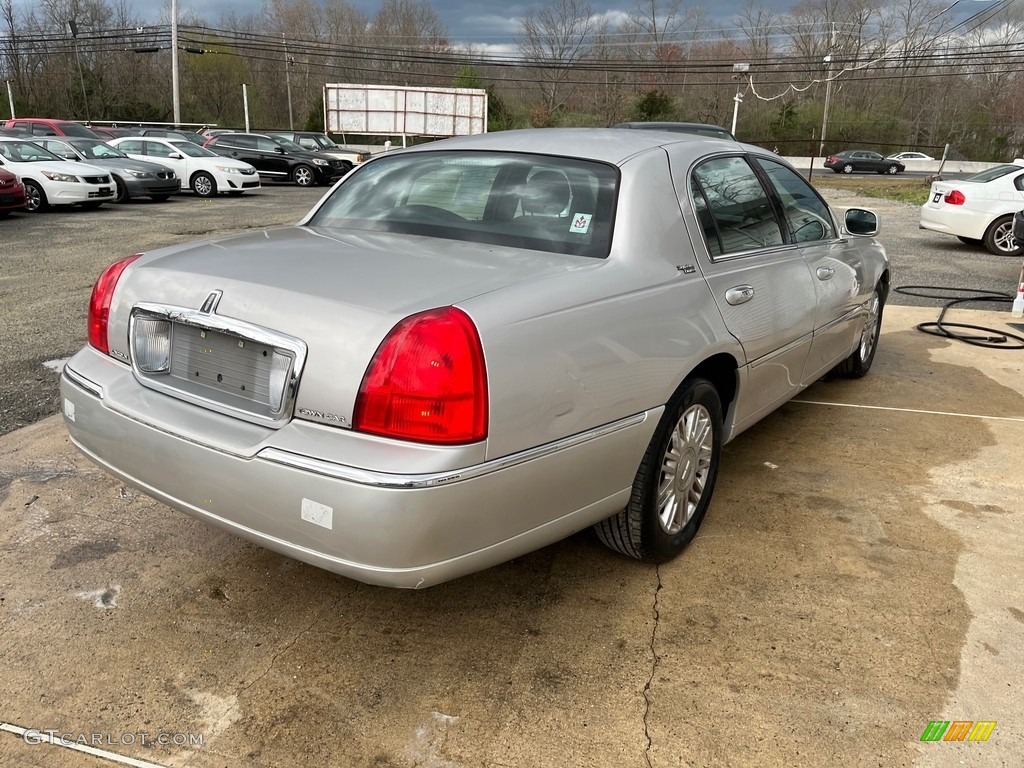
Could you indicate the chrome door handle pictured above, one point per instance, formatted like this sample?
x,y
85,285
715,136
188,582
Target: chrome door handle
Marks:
x,y
824,273
739,295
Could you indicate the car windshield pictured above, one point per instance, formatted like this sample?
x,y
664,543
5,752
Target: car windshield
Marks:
x,y
25,152
991,174
288,144
95,149
545,203
192,150
325,142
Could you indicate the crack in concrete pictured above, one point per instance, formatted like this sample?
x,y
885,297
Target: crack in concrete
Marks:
x,y
654,667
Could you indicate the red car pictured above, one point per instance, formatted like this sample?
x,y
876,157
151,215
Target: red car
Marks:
x,y
12,193
44,126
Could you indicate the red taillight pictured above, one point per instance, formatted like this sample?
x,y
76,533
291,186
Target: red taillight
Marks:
x,y
955,197
832,159
426,382
99,302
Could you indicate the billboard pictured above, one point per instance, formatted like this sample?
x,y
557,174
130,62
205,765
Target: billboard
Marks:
x,y
392,110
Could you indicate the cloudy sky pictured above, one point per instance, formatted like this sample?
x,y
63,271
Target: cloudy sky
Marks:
x,y
483,21
495,23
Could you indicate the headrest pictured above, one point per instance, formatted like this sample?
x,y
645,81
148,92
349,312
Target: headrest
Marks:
x,y
546,194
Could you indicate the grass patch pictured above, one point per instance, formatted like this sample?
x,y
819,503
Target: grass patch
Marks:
x,y
914,191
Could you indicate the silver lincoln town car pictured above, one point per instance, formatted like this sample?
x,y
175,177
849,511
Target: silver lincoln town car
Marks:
x,y
474,348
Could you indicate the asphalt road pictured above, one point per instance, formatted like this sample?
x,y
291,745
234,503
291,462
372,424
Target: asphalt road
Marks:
x,y
48,263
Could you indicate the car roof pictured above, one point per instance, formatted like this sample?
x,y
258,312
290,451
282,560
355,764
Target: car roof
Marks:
x,y
611,145
685,127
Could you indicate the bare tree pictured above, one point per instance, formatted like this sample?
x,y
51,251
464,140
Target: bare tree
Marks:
x,y
551,41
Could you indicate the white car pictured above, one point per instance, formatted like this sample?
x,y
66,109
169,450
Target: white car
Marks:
x,y
203,171
51,180
910,156
979,210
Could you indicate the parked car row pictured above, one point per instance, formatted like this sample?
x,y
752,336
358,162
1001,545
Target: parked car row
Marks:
x,y
159,162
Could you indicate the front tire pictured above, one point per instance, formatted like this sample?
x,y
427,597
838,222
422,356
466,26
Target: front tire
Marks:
x,y
204,185
999,238
892,170
859,361
121,192
676,479
304,176
36,197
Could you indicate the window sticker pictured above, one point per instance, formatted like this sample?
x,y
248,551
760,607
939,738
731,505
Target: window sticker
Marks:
x,y
581,222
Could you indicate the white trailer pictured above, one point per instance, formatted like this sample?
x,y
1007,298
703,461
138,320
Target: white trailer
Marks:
x,y
391,110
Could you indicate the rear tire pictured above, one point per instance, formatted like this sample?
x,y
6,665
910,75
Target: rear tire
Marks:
x,y
859,361
999,238
676,479
847,168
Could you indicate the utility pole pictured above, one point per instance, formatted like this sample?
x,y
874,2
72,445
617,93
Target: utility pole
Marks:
x,y
10,98
72,28
175,97
738,71
288,81
245,105
828,90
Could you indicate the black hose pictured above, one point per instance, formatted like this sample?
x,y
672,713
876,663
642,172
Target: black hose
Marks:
x,y
994,338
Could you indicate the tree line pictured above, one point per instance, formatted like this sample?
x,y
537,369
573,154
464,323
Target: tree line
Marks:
x,y
903,74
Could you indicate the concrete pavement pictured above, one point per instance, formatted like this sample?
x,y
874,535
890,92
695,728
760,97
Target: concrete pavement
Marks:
x,y
857,576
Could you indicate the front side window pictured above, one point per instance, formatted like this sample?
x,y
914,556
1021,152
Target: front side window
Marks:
x,y
25,152
131,145
157,149
807,216
554,204
738,208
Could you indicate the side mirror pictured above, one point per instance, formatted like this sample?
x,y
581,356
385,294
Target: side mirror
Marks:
x,y
861,222
174,156
279,150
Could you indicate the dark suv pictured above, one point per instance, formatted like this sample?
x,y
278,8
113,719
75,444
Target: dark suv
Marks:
x,y
278,159
321,142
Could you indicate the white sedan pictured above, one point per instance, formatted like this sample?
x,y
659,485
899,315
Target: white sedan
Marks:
x,y
50,180
205,173
910,156
979,210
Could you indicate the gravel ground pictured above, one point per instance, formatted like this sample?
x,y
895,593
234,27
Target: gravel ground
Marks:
x,y
48,263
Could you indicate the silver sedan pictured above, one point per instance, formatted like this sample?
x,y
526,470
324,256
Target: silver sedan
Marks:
x,y
474,348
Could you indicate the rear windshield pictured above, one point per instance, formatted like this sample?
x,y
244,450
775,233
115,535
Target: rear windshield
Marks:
x,y
545,203
991,174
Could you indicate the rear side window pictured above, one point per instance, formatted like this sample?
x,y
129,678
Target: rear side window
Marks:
x,y
555,204
132,145
735,211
